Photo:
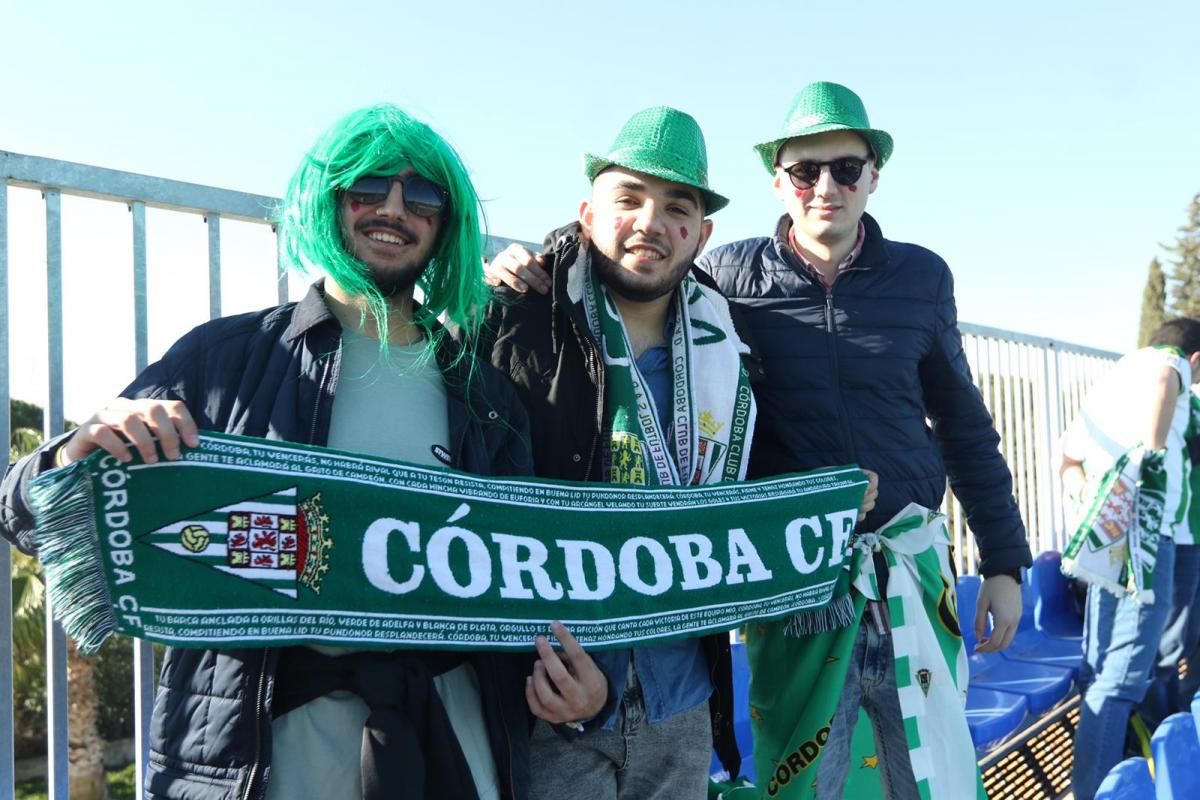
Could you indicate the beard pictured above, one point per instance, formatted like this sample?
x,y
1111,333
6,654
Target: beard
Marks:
x,y
641,288
397,279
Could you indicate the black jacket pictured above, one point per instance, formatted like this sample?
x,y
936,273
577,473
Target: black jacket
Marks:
x,y
853,372
542,342
272,374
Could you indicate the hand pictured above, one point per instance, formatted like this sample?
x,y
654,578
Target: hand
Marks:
x,y
138,421
868,501
1001,596
566,686
1074,482
518,269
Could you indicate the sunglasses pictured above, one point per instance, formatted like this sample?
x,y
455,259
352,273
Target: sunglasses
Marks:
x,y
845,170
421,196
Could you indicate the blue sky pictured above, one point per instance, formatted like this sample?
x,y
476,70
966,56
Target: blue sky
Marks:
x,y
1044,149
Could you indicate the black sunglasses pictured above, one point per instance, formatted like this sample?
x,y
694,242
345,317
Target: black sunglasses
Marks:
x,y
845,170
421,196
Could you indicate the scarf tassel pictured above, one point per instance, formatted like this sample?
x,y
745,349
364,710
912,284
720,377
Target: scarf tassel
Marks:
x,y
838,614
68,547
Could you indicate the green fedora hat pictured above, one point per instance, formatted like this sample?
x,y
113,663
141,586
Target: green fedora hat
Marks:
x,y
662,142
822,107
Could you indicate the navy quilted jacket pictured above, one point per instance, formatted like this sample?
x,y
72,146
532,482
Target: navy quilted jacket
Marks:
x,y
273,374
854,372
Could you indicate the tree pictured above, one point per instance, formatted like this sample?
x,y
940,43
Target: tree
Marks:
x,y
1154,298
1183,288
85,745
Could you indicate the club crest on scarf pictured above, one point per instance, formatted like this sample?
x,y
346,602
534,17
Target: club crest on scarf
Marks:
x,y
272,540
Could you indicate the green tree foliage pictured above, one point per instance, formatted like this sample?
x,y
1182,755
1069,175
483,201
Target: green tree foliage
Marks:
x,y
1183,288
1154,298
114,662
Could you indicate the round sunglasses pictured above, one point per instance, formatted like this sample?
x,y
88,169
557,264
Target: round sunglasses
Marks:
x,y
421,196
845,170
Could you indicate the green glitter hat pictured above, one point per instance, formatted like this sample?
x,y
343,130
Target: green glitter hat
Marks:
x,y
662,142
821,107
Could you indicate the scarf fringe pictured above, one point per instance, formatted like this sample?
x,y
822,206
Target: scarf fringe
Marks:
x,y
68,547
838,614
1074,569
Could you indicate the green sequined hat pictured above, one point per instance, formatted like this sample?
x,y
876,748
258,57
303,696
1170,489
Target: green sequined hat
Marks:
x,y
662,142
821,107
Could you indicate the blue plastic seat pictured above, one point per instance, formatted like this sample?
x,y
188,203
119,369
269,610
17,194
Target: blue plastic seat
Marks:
x,y
993,716
1041,685
742,731
1054,608
1129,780
1196,710
1176,757
1039,647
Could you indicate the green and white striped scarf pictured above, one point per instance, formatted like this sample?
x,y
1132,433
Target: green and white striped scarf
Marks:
x,y
1115,544
796,682
713,411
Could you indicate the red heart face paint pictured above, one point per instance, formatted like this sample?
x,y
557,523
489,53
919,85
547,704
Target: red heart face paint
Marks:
x,y
618,223
683,232
853,187
355,206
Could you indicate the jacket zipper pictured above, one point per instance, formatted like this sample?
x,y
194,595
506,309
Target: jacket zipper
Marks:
x,y
829,328
259,702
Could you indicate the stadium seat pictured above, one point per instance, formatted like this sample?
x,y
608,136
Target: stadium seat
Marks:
x,y
1129,780
1041,685
1196,710
1054,607
741,714
993,716
1176,753
1039,647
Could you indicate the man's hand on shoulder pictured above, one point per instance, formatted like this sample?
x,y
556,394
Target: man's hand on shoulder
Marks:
x,y
999,596
566,686
138,422
518,269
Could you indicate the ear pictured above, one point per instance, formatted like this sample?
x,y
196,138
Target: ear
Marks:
x,y
874,180
781,184
706,229
585,217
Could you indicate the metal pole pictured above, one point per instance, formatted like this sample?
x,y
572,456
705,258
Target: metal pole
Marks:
x,y
214,264
56,638
143,651
7,767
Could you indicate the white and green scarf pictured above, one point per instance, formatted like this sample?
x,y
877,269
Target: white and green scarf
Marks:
x,y
1115,544
713,411
796,682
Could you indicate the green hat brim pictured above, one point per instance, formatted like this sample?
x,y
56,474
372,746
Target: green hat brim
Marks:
x,y
593,165
880,141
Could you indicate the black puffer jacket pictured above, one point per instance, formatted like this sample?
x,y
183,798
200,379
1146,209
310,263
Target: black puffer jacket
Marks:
x,y
852,373
542,342
272,374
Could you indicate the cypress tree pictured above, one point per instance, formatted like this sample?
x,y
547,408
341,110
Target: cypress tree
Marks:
x,y
1183,289
1154,297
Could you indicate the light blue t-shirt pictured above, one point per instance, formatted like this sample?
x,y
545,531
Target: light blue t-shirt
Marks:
x,y
674,675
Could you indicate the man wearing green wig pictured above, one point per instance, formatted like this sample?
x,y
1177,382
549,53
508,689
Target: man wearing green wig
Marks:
x,y
860,347
379,206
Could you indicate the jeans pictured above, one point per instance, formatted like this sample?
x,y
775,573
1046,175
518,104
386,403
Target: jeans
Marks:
x,y
871,684
1179,638
635,760
1120,646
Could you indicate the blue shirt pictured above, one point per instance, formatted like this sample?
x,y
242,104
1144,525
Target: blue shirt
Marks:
x,y
673,676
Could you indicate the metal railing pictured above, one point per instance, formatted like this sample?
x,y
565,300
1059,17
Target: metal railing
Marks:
x,y
1031,385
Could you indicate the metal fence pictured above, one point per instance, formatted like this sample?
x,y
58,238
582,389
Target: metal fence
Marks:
x,y
1031,385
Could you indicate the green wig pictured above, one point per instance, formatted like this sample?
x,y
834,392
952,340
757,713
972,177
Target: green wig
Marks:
x,y
382,140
